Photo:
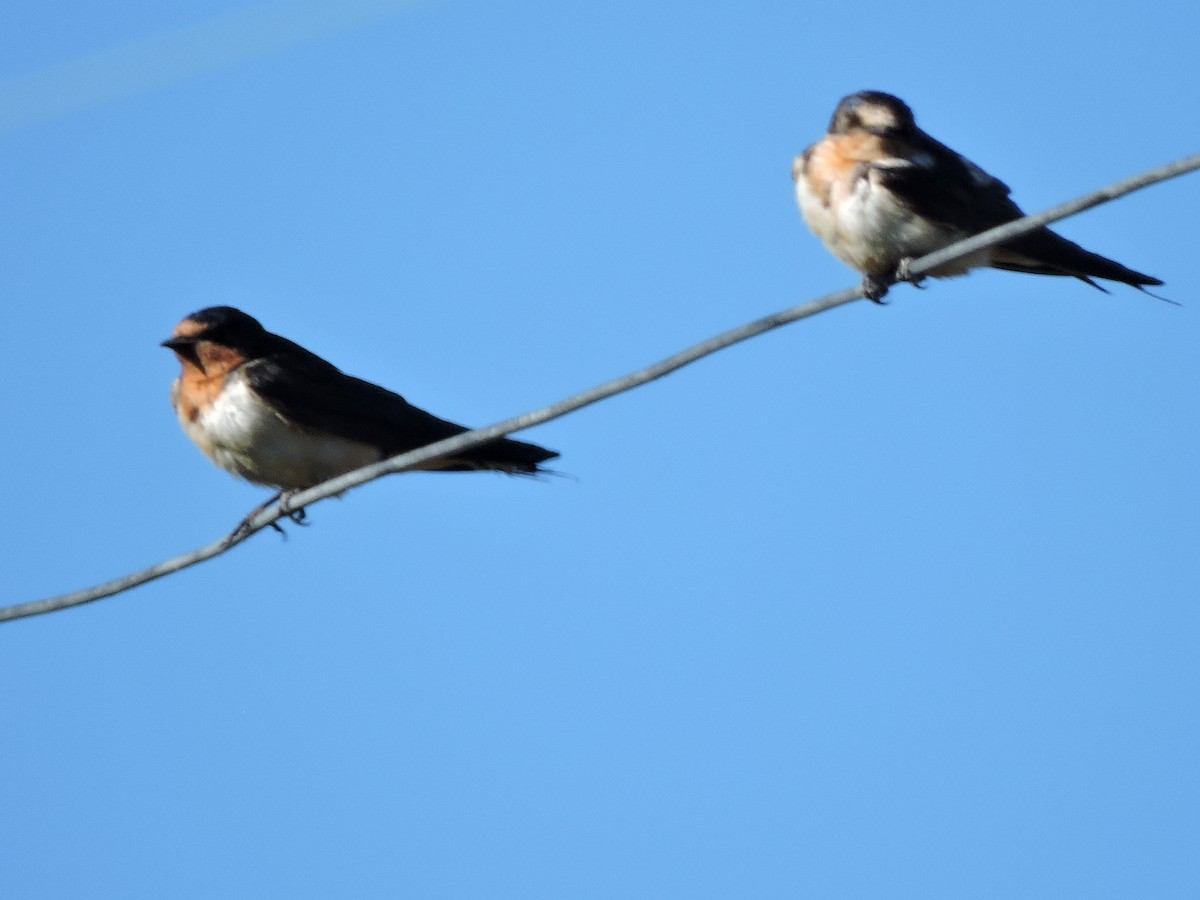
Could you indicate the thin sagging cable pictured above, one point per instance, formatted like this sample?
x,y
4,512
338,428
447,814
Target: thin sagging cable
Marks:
x,y
415,458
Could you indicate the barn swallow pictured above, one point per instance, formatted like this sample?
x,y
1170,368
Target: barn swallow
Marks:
x,y
880,192
266,409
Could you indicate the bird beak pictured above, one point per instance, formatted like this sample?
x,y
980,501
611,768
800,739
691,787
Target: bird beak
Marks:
x,y
183,347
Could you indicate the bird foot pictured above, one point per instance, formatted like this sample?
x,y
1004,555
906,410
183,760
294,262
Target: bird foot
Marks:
x,y
297,516
875,288
904,275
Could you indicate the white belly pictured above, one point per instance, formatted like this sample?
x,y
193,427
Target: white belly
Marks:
x,y
866,227
244,436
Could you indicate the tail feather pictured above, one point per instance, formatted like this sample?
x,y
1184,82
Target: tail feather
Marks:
x,y
1043,252
500,455
508,455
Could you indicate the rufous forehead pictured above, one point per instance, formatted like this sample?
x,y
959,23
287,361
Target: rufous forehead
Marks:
x,y
188,328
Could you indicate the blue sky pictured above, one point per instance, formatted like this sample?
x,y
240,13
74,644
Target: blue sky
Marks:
x,y
897,601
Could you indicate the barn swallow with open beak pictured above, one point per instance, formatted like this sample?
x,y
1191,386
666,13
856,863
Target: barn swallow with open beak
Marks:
x,y
881,192
266,409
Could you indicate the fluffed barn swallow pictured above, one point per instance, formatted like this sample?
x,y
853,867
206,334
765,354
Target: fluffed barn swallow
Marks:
x,y
266,409
879,192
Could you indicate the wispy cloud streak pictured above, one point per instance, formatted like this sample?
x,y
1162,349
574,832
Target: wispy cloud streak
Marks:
x,y
165,58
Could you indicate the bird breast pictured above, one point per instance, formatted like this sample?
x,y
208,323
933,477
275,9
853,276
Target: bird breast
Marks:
x,y
846,204
244,435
